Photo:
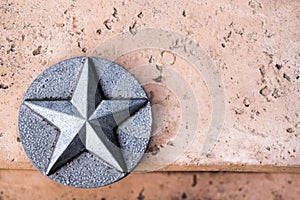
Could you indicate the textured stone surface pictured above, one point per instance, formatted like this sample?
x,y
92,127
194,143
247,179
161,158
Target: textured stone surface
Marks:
x,y
172,185
53,114
254,44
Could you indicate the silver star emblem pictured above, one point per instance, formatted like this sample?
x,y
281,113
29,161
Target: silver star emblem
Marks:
x,y
86,122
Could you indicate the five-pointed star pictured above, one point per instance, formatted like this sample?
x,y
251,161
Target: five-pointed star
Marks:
x,y
86,121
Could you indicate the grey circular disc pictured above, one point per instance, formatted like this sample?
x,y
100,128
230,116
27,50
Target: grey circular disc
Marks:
x,y
85,122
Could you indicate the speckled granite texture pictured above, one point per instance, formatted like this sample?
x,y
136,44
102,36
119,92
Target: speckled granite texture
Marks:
x,y
39,137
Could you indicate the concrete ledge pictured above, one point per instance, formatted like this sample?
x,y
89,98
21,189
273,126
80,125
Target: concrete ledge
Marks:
x,y
254,45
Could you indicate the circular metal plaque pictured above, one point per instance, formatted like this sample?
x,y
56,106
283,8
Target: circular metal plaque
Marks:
x,y
85,122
